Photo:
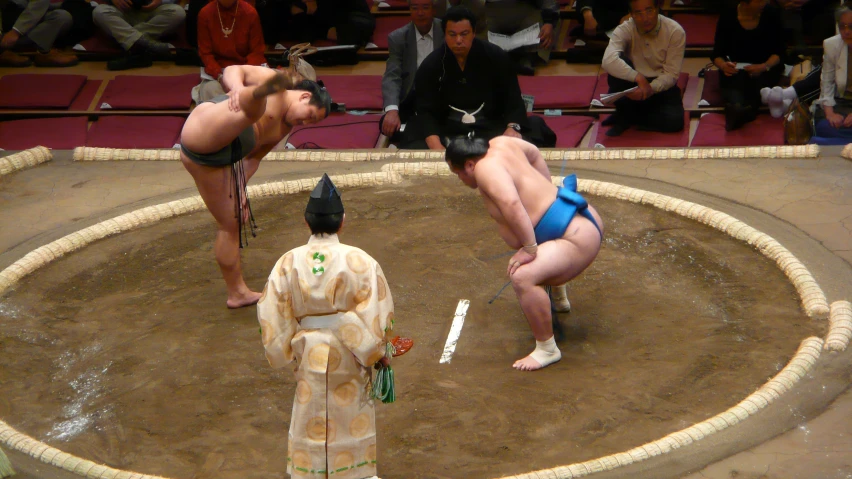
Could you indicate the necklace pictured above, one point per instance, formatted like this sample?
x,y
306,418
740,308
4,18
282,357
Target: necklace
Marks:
x,y
227,31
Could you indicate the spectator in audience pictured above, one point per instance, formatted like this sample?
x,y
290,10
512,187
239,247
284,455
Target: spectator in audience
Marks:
x,y
807,18
138,26
646,52
508,17
747,51
229,33
34,24
348,22
833,116
469,86
191,21
597,17
408,46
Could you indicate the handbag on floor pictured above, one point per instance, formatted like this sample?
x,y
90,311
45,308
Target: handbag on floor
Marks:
x,y
798,124
801,69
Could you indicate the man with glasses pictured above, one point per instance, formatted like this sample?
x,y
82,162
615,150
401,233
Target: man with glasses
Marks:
x,y
408,47
646,52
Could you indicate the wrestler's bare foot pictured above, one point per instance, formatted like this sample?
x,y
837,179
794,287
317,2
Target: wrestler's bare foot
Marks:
x,y
281,81
241,301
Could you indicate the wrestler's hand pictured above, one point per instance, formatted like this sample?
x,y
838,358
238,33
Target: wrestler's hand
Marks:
x,y
847,122
519,259
234,98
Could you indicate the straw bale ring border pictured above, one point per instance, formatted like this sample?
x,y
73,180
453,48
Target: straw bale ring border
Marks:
x,y
551,154
24,159
808,353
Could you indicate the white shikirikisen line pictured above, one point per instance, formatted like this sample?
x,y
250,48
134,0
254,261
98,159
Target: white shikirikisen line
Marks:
x,y
455,332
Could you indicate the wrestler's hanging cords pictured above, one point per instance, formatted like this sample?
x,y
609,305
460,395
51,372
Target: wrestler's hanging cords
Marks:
x,y
5,466
383,385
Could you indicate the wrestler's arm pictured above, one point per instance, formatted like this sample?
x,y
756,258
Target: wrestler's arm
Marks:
x,y
240,76
497,184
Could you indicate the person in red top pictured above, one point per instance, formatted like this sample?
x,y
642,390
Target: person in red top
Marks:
x,y
229,33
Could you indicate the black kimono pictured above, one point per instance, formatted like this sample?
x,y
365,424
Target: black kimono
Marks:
x,y
487,90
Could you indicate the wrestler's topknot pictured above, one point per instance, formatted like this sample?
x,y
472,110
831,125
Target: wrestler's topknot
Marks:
x,y
463,148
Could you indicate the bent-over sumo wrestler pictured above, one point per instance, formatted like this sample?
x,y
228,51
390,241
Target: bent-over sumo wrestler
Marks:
x,y
223,141
328,307
556,232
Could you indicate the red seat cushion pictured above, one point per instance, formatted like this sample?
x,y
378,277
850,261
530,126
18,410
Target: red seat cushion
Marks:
x,y
569,130
602,87
137,92
763,131
84,99
384,26
634,137
338,131
712,92
358,92
63,133
700,28
135,132
559,91
30,90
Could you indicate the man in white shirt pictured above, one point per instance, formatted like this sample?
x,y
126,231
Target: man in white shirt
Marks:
x,y
408,46
646,52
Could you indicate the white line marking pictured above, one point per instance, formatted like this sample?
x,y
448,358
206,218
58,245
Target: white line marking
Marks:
x,y
455,331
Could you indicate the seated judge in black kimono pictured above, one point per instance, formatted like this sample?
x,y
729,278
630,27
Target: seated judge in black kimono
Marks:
x,y
467,85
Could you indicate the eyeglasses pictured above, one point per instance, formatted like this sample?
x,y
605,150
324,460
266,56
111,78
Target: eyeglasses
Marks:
x,y
844,26
644,13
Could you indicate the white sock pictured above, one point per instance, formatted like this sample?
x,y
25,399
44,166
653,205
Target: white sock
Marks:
x,y
764,95
559,295
787,104
776,102
546,352
789,93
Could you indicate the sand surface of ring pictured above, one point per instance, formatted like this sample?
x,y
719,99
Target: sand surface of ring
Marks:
x,y
124,352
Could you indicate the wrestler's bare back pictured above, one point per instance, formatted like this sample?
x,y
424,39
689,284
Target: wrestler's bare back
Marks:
x,y
512,170
269,129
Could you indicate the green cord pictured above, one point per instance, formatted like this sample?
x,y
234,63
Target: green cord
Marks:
x,y
383,386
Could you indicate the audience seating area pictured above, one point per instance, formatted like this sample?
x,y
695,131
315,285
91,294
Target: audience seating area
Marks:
x,y
134,110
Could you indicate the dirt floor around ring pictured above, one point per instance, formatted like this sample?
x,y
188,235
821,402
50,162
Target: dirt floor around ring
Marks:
x,y
124,352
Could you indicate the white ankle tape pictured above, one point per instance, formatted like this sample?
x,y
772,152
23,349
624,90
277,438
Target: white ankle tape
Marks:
x,y
546,352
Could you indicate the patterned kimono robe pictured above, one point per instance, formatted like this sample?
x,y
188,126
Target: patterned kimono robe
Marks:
x,y
341,295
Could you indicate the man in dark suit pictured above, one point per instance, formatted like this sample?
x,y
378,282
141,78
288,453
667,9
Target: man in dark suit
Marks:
x,y
468,86
408,46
